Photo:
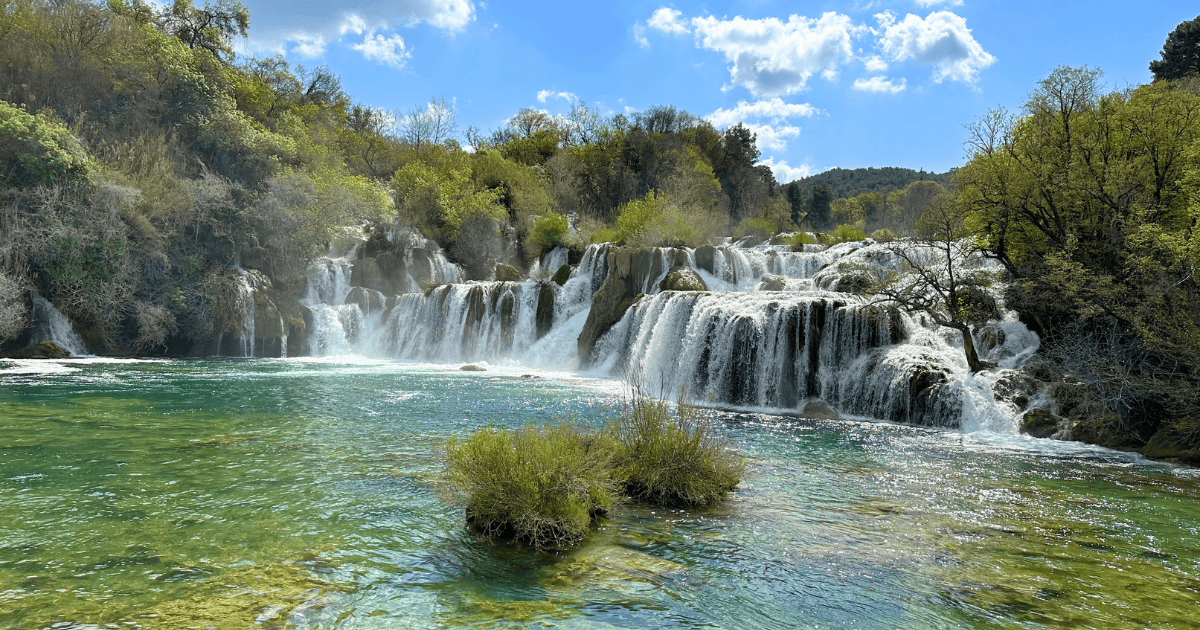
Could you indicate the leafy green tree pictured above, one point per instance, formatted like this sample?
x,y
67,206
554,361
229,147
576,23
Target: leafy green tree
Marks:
x,y
1180,56
820,207
37,149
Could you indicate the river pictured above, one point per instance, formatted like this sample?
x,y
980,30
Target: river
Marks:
x,y
301,493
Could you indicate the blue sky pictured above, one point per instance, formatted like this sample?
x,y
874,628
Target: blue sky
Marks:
x,y
824,84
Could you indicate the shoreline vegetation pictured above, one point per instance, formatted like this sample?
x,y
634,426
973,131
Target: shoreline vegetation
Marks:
x,y
148,176
545,487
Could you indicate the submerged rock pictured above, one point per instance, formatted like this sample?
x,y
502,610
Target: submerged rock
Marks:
x,y
470,367
818,410
1165,445
682,279
44,349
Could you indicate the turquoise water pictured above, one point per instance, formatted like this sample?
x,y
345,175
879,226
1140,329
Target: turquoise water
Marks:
x,y
301,494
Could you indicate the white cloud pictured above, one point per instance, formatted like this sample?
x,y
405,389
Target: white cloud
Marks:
x,y
941,40
667,21
277,22
384,49
880,84
773,137
784,173
771,57
774,109
351,23
542,95
929,3
875,63
308,46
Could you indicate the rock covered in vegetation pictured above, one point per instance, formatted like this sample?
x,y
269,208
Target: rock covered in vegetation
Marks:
x,y
682,279
1040,423
44,349
508,273
561,276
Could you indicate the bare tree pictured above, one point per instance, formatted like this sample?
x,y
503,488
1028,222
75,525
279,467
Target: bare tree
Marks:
x,y
936,276
432,123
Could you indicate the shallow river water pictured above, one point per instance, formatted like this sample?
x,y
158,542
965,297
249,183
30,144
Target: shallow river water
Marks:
x,y
301,494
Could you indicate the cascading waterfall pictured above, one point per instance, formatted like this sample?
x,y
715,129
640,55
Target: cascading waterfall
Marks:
x,y
737,346
239,342
50,324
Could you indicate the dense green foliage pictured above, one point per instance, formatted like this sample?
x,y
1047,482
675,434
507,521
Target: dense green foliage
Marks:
x,y
544,486
855,181
1090,201
1180,56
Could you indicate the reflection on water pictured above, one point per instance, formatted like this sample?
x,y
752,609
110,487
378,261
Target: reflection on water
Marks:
x,y
300,494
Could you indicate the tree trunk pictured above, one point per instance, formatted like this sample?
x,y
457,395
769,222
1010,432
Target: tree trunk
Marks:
x,y
969,348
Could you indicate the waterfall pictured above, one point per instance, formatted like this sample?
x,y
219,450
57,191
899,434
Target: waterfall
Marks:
x,y
49,323
236,337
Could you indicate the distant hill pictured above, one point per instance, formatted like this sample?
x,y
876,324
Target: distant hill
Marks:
x,y
850,182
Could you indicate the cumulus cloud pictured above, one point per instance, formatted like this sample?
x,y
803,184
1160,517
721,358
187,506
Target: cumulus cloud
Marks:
x,y
773,137
941,40
875,63
308,46
785,173
542,95
773,109
385,49
279,23
880,84
667,21
771,57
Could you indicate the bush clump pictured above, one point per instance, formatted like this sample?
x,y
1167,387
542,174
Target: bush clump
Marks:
x,y
673,459
544,487
539,486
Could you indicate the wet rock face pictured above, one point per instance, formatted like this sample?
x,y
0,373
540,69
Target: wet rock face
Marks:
x,y
44,349
608,307
1016,387
561,276
545,308
368,300
705,256
1040,423
682,279
772,282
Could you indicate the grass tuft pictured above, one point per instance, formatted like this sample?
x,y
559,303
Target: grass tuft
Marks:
x,y
538,486
674,459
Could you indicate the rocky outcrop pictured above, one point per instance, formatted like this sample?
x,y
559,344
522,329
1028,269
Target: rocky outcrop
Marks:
x,y
508,273
561,276
1040,423
44,349
545,307
608,307
369,301
772,282
705,256
682,279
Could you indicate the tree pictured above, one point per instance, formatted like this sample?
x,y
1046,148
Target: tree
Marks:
x,y
434,123
937,276
820,207
1180,56
211,28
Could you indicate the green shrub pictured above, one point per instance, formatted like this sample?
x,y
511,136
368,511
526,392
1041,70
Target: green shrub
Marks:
x,y
37,148
884,235
539,486
754,226
798,240
843,234
549,231
672,458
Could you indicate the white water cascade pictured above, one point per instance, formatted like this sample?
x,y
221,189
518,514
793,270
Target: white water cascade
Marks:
x,y
736,345
50,324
